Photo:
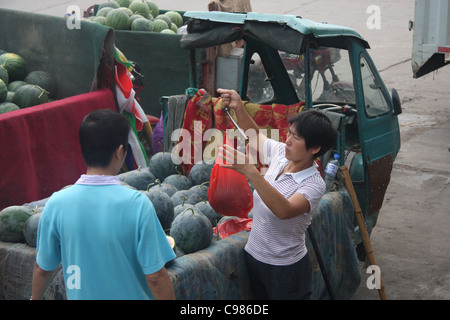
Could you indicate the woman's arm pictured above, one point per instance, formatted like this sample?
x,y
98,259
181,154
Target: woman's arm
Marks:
x,y
283,208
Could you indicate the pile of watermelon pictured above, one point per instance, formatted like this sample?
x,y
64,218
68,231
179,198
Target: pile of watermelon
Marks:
x,y
137,15
20,88
181,204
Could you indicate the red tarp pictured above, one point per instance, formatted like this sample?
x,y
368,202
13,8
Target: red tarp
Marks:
x,y
40,152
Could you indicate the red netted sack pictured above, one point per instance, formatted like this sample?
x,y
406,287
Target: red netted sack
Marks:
x,y
229,192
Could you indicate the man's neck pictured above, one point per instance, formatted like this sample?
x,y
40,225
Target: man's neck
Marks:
x,y
101,171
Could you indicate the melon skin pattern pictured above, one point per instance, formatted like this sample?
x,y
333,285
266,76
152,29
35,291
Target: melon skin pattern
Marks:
x,y
29,95
15,65
141,179
44,80
118,19
163,206
12,220
192,231
161,165
30,229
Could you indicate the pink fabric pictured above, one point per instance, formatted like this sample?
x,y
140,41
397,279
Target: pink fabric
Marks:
x,y
40,152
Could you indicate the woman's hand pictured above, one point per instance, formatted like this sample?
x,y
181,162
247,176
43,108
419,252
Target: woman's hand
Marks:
x,y
230,98
238,161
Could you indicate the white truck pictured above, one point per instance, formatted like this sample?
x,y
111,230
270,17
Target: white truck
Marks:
x,y
431,37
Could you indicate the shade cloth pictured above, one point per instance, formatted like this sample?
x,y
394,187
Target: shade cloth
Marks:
x,y
40,152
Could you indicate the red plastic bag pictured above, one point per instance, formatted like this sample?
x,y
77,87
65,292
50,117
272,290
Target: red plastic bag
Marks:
x,y
229,192
233,226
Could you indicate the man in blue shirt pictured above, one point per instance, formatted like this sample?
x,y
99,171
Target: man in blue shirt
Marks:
x,y
107,236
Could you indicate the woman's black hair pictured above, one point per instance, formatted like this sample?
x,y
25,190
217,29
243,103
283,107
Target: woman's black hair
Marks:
x,y
101,133
316,128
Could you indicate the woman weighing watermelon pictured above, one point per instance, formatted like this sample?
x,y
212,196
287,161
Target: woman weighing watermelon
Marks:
x,y
284,199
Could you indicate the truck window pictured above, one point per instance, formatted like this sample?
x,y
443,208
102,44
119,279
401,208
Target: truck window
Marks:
x,y
259,89
332,77
374,100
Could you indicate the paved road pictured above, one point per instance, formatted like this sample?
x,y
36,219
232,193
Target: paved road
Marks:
x,y
410,240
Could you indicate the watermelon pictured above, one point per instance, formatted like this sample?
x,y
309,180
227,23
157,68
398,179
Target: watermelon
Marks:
x,y
128,11
192,231
134,17
15,65
159,25
179,181
3,91
44,80
9,96
141,24
103,11
7,107
161,165
175,17
171,241
201,172
181,207
213,216
29,95
185,196
109,4
163,207
141,179
201,190
168,31
14,85
154,10
100,20
118,20
165,18
4,75
124,3
174,28
164,187
140,7
30,229
12,220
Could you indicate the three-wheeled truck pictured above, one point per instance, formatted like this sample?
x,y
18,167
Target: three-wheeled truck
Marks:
x,y
287,64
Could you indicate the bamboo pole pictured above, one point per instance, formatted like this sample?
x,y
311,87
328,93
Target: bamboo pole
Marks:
x,y
362,227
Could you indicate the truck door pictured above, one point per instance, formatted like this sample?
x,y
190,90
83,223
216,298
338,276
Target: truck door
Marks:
x,y
378,129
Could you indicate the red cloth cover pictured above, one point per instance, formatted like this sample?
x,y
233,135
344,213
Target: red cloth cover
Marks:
x,y
40,152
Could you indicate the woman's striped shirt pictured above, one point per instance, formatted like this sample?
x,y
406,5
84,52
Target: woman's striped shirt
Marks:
x,y
282,241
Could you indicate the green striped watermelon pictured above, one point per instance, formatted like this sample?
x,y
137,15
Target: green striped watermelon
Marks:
x,y
124,3
154,10
109,4
175,17
159,25
7,107
118,20
14,85
30,95
103,11
3,91
44,80
141,24
15,65
4,75
140,7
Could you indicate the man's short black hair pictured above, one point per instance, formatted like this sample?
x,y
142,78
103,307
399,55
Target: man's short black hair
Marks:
x,y
101,133
316,128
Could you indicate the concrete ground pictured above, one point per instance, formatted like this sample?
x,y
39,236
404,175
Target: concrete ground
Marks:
x,y
411,239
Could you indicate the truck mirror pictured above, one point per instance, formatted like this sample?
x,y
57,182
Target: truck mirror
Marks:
x,y
396,102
